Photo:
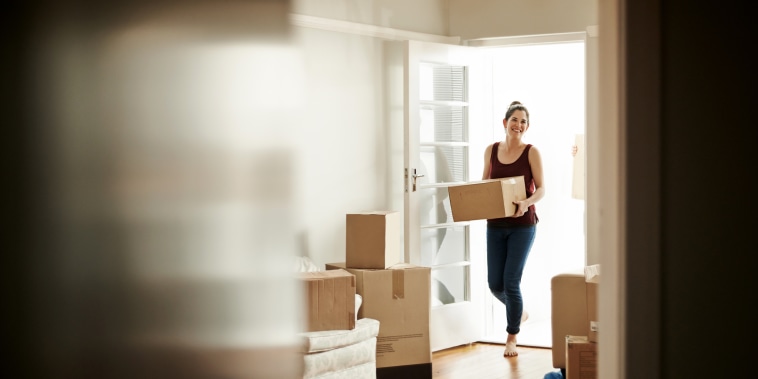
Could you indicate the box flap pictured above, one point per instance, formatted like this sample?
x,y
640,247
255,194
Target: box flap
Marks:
x,y
402,266
592,274
379,213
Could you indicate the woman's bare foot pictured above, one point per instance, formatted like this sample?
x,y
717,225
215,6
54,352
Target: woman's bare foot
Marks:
x,y
510,346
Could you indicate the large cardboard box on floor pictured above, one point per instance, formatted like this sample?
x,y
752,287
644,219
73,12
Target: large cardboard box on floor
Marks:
x,y
400,298
581,358
330,300
373,239
486,199
592,279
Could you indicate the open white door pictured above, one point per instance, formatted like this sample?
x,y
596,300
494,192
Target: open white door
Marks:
x,y
444,109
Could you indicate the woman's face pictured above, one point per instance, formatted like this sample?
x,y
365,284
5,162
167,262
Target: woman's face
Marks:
x,y
517,124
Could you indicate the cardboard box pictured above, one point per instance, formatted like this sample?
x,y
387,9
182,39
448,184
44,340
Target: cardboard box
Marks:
x,y
581,358
486,199
592,279
373,239
400,298
568,305
330,300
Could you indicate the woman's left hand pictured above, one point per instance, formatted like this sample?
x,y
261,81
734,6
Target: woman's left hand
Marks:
x,y
521,208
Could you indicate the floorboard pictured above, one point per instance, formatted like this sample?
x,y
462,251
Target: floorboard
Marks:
x,y
485,361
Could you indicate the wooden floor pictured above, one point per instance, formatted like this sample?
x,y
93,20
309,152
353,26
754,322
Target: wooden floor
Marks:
x,y
486,361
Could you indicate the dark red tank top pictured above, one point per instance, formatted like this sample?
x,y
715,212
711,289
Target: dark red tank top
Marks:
x,y
519,167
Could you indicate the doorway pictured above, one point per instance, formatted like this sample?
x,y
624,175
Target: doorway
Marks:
x,y
549,79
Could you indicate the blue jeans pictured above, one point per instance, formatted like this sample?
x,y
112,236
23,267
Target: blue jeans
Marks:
x,y
507,250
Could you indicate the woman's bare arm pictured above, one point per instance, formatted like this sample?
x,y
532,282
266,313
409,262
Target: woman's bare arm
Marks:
x,y
535,161
487,153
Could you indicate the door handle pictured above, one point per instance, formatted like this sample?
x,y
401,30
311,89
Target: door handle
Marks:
x,y
415,176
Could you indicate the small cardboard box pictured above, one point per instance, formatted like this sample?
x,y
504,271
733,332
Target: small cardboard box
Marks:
x,y
592,278
400,298
373,239
486,199
581,358
330,300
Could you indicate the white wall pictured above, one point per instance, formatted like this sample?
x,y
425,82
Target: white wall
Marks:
x,y
343,140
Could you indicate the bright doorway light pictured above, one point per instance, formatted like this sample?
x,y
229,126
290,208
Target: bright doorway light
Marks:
x,y
549,79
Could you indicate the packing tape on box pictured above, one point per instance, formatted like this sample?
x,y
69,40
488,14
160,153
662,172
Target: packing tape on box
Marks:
x,y
398,284
313,295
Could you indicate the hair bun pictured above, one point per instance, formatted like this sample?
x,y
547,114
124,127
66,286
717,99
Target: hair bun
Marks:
x,y
515,106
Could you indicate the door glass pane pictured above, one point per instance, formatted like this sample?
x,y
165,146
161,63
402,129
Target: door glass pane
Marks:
x,y
448,82
443,245
449,285
434,206
442,124
443,164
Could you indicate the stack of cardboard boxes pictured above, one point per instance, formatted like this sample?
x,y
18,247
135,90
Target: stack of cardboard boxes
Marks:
x,y
581,351
396,294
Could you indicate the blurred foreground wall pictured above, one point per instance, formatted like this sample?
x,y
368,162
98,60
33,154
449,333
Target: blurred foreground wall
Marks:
x,y
148,225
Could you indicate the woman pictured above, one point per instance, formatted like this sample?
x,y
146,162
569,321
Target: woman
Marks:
x,y
510,239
